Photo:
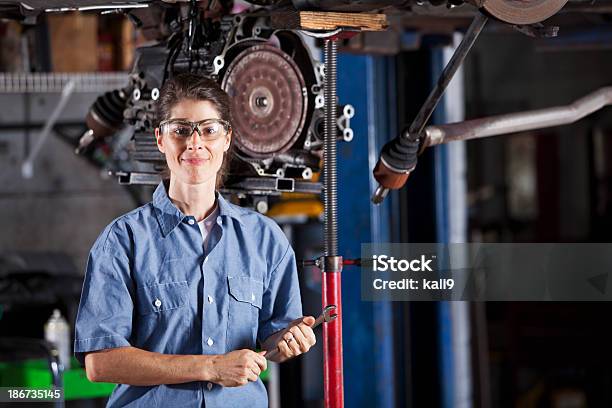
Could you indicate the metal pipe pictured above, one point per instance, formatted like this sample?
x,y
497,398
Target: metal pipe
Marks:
x,y
447,75
332,263
27,168
390,176
519,121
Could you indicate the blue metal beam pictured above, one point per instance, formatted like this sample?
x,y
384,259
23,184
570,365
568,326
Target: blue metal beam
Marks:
x,y
363,81
451,213
445,323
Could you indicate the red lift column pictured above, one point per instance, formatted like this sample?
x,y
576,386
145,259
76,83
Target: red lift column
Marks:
x,y
333,379
332,263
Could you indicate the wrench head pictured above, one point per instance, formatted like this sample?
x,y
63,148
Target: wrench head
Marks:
x,y
329,313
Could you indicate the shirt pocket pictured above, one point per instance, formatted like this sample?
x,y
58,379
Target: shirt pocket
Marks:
x,y
244,304
162,309
246,289
163,297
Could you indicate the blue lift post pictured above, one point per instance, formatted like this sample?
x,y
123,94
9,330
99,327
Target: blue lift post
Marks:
x,y
366,83
445,323
369,84
451,220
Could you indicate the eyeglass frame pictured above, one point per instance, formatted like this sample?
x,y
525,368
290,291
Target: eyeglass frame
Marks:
x,y
196,126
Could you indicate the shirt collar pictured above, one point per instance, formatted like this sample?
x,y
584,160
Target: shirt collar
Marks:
x,y
169,216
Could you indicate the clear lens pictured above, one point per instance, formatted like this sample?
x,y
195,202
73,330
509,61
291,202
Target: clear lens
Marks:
x,y
210,129
179,129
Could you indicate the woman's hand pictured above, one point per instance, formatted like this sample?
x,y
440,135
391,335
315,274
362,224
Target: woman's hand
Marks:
x,y
237,367
297,338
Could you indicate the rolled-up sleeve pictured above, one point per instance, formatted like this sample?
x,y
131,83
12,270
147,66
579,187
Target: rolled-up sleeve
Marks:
x,y
282,302
104,318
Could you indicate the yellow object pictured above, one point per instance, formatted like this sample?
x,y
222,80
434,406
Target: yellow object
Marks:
x,y
311,208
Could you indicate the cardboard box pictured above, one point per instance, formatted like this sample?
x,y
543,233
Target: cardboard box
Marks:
x,y
74,42
10,47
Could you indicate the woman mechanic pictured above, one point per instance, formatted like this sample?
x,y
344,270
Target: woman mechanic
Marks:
x,y
178,291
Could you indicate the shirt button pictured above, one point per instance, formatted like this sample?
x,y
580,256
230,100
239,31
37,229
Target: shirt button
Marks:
x,y
210,341
252,297
210,299
191,221
157,303
205,259
209,386
219,221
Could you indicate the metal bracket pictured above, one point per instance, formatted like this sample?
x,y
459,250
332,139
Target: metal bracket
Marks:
x,y
134,177
337,34
331,264
344,122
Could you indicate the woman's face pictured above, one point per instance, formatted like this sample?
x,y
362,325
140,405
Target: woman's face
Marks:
x,y
190,159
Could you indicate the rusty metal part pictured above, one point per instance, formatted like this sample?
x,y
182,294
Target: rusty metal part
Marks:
x,y
538,30
269,100
522,11
520,121
389,178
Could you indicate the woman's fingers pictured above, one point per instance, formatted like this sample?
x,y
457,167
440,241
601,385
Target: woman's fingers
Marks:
x,y
292,342
284,349
308,334
298,337
251,376
255,369
261,360
301,340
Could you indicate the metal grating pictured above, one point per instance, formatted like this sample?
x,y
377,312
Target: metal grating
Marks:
x,y
54,82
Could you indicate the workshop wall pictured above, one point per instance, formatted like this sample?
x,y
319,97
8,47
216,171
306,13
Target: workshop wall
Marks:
x,y
67,202
509,73
544,353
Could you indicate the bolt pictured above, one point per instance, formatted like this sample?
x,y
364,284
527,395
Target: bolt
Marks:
x,y
261,101
262,206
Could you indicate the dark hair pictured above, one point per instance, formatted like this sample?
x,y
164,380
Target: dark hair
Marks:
x,y
198,88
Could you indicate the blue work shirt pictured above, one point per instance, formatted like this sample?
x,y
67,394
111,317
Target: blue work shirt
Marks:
x,y
150,284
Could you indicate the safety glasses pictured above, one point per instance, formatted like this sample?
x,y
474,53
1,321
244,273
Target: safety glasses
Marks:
x,y
208,129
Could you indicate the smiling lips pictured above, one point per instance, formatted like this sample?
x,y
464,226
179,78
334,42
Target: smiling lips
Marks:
x,y
194,161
